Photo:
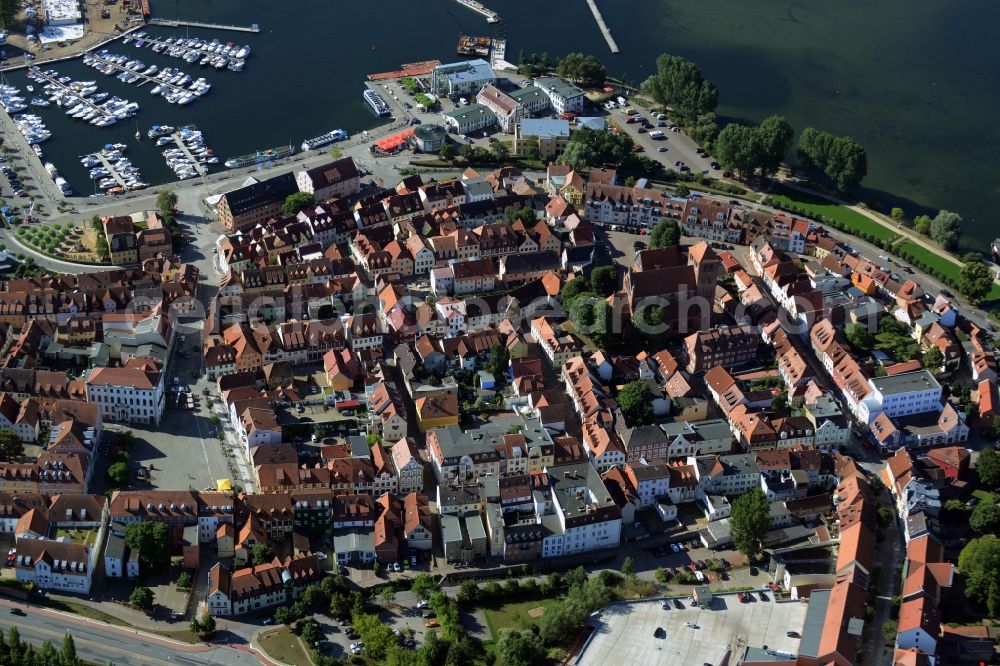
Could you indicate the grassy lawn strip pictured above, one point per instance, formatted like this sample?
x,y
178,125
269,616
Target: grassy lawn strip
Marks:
x,y
285,646
939,262
514,615
822,208
83,610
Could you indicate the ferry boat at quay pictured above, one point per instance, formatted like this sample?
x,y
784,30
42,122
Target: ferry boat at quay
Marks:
x,y
376,102
261,156
324,139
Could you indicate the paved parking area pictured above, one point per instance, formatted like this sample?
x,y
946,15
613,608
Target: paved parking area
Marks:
x,y
624,632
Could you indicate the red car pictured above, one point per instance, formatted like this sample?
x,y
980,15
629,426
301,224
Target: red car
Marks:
x,y
637,148
742,597
630,121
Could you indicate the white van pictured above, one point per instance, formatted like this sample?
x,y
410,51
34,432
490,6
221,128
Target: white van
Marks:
x,y
656,134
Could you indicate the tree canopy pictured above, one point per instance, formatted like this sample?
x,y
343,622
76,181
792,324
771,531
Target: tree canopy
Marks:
x,y
985,518
118,474
859,337
666,233
975,281
933,359
946,229
749,149
988,468
261,553
519,649
635,402
152,540
979,562
166,201
424,585
10,445
841,158
749,522
679,84
604,279
584,69
587,148
297,201
141,598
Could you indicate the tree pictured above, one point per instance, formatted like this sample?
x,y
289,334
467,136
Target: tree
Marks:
x,y
975,281
141,598
500,151
152,541
118,474
628,566
310,632
102,250
979,563
775,137
933,359
340,605
498,361
635,403
779,403
749,522
841,159
946,229
261,554
679,84
985,518
666,233
739,148
572,290
183,581
297,201
889,630
988,468
67,655
10,445
388,595
331,585
166,201
662,575
376,635
885,516
859,337
922,225
424,585
468,592
519,649
448,151
604,279
584,69
897,215
682,190
283,615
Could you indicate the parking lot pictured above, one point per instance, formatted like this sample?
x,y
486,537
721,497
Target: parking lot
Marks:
x,y
624,632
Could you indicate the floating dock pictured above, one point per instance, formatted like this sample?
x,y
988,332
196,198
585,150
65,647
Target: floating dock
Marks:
x,y
603,26
106,163
64,88
198,166
409,69
177,23
145,79
153,41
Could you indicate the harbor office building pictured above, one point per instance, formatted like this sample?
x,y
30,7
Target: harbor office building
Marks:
x,y
468,119
564,96
461,79
255,203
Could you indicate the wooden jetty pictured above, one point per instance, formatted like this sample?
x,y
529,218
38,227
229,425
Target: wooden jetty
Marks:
x,y
177,23
603,26
198,166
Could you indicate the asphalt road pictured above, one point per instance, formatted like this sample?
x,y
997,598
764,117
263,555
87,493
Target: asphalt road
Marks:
x,y
102,644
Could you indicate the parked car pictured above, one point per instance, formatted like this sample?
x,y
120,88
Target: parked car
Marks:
x,y
660,632
792,634
16,611
432,623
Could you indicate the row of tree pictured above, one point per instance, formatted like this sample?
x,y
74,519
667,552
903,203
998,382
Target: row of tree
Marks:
x,y
16,652
680,85
750,150
584,69
842,159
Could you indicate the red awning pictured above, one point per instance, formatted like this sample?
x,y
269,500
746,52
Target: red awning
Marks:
x,y
395,141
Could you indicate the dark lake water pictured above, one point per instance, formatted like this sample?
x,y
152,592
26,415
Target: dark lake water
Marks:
x,y
915,82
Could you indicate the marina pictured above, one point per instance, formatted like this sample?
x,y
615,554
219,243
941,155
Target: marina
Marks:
x,y
603,26
175,86
81,99
111,171
190,157
192,50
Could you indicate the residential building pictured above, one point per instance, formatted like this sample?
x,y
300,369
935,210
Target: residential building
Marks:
x,y
545,137
250,205
564,96
130,394
335,180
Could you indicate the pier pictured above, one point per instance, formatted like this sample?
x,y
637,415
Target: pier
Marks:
x,y
198,166
145,79
479,8
106,163
603,26
153,41
64,88
176,23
